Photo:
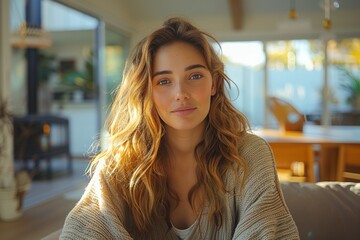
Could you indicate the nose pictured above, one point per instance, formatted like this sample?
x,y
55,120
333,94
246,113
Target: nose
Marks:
x,y
181,92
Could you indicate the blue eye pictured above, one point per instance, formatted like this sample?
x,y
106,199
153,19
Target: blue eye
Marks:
x,y
196,76
163,82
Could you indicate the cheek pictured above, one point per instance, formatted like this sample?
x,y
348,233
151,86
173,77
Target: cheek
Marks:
x,y
205,93
159,101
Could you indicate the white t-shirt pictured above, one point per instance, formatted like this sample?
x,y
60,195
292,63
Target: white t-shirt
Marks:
x,y
184,234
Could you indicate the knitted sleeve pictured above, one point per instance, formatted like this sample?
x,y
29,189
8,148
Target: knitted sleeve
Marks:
x,y
261,209
97,215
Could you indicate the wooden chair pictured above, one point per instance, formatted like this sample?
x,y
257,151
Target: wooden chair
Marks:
x,y
288,117
348,162
288,153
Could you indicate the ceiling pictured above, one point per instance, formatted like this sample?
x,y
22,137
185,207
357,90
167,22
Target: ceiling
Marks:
x,y
160,9
262,18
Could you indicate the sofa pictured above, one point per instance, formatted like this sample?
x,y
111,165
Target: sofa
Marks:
x,y
321,211
324,210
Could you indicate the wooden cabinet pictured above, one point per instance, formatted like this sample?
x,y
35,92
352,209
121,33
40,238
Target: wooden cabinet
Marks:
x,y
41,138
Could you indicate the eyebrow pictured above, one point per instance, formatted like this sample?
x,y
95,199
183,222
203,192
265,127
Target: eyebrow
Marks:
x,y
186,69
194,66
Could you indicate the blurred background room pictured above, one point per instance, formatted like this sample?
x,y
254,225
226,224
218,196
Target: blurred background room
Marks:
x,y
295,66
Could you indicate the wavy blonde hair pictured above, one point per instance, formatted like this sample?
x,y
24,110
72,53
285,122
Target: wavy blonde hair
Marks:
x,y
136,156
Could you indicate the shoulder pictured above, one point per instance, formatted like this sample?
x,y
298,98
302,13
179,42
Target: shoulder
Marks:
x,y
249,139
254,150
259,161
259,206
100,213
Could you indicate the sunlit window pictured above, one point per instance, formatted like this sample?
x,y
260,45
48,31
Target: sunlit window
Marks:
x,y
249,54
344,52
344,68
295,73
244,64
290,55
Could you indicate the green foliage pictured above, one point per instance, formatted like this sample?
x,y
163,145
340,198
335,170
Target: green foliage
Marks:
x,y
351,84
82,80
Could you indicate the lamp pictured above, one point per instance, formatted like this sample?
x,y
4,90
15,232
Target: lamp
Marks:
x,y
30,37
328,5
292,12
327,21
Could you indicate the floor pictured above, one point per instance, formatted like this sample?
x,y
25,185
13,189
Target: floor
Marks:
x,y
44,190
47,204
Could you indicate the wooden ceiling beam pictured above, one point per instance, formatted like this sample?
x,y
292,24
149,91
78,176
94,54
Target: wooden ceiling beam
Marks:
x,y
236,10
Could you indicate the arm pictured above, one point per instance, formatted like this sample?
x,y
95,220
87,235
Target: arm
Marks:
x,y
261,209
98,215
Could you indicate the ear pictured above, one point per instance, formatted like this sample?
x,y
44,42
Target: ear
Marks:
x,y
213,88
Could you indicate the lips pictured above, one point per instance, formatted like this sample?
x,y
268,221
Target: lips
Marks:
x,y
184,110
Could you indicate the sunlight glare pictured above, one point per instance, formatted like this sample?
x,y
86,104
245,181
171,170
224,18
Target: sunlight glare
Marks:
x,y
249,54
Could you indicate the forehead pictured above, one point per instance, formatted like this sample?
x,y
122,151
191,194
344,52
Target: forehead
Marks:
x,y
177,54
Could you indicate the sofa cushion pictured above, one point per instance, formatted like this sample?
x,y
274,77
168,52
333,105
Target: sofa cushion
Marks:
x,y
325,210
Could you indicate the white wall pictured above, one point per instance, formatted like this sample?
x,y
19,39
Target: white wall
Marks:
x,y
17,85
82,125
4,49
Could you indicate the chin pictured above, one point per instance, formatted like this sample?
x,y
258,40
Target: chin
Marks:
x,y
187,126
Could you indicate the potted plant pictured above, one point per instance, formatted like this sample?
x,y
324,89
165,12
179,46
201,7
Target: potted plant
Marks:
x,y
351,84
13,185
80,83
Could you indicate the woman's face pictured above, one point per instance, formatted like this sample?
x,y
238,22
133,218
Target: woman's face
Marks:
x,y
182,86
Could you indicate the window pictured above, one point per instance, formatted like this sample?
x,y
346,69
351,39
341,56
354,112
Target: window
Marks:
x,y
295,71
344,59
244,64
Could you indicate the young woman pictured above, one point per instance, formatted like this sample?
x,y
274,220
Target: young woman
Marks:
x,y
181,163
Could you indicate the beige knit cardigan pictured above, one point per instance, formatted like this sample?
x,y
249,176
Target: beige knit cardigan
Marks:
x,y
257,212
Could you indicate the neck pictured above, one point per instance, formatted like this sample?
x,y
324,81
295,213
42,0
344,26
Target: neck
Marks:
x,y
181,144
